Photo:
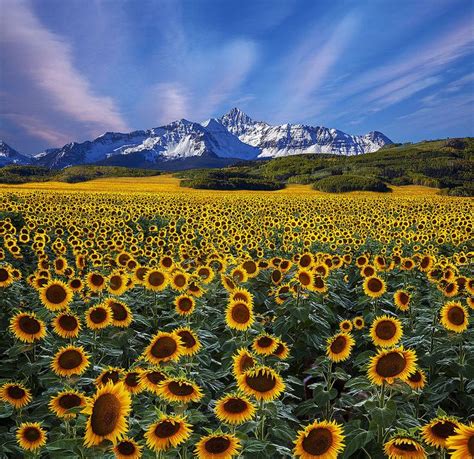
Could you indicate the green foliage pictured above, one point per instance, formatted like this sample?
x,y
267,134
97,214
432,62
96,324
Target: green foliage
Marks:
x,y
345,183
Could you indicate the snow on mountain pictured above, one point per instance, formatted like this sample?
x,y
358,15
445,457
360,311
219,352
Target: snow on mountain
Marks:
x,y
8,155
233,136
293,139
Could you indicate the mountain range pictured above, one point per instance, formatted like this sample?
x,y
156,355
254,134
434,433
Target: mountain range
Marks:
x,y
216,142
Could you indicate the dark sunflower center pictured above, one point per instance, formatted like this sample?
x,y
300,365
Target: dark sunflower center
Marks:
x,y
415,377
155,377
16,392
250,267
318,282
338,345
68,323
185,304
187,338
29,325
75,283
265,341
180,280
385,329
181,389
403,297
32,434
443,429
98,315
164,347
166,429
68,401
261,382
123,259
118,311
105,414
115,282
235,405
126,448
279,350
456,315
56,294
391,365
240,313
70,359
217,445
405,446
131,379
4,275
276,275
156,279
141,272
318,441
375,285
304,278
369,271
111,375
97,280
470,445
167,262
59,264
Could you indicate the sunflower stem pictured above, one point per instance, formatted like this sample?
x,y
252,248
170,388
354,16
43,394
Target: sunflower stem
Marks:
x,y
329,387
260,433
461,365
433,329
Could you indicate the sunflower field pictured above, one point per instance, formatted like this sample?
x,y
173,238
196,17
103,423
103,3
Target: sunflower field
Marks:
x,y
216,325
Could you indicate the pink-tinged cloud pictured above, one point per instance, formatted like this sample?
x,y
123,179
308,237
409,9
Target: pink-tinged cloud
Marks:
x,y
44,58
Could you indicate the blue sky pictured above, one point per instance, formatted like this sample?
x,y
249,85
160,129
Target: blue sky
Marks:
x,y
71,70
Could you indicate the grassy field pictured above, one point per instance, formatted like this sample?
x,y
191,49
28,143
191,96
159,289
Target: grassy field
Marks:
x,y
144,319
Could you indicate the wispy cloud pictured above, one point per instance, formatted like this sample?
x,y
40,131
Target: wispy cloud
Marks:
x,y
35,54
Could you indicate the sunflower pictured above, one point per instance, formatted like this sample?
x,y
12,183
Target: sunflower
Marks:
x,y
390,364
261,382
155,280
117,283
454,317
69,361
179,390
438,430
217,446
339,347
417,380
184,305
96,282
66,325
56,295
189,340
401,447
168,431
76,284
251,268
359,322
242,361
6,277
305,278
319,440
109,374
401,299
239,315
386,331
265,344
64,401
127,448
282,351
234,409
239,275
374,286
132,381
31,436
345,326
15,394
461,443
108,410
27,328
150,379
164,347
179,281
121,314
98,317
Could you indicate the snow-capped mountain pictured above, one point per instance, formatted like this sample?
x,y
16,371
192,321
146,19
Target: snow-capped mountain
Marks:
x,y
10,156
293,139
233,136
